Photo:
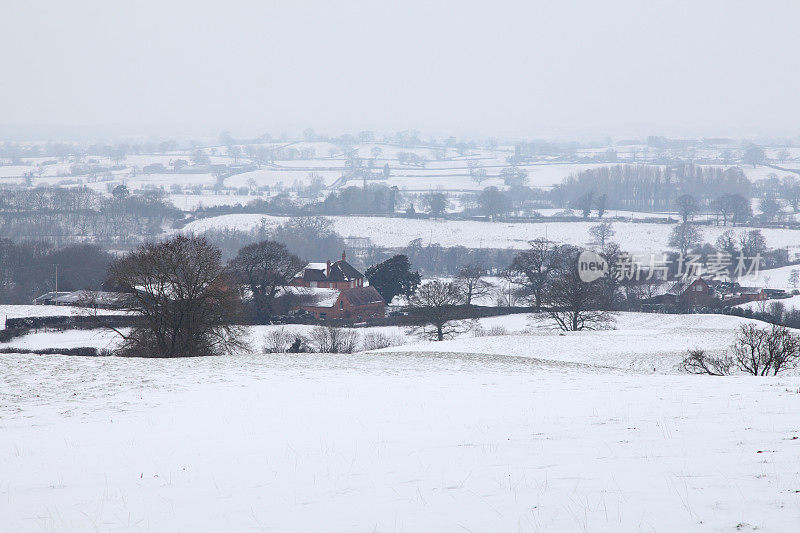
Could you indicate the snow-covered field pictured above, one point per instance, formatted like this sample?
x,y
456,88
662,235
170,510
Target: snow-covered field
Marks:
x,y
639,342
636,237
765,305
776,278
552,436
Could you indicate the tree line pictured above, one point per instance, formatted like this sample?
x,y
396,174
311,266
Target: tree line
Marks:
x,y
67,215
651,188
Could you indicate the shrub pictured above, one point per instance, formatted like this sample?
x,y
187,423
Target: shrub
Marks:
x,y
697,362
375,340
334,340
282,341
494,331
299,345
277,341
756,351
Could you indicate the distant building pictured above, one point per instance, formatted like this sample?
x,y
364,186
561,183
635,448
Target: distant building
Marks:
x,y
48,298
338,275
337,291
688,293
99,299
359,303
752,294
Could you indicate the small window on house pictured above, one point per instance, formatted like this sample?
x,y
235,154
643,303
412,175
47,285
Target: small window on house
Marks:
x,y
323,316
341,304
314,284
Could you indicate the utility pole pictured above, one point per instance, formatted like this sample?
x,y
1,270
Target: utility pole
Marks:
x,y
56,279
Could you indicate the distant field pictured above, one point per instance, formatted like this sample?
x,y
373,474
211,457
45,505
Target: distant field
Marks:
x,y
632,236
450,173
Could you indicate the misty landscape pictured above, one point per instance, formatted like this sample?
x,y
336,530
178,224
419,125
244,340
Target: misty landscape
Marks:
x,y
476,267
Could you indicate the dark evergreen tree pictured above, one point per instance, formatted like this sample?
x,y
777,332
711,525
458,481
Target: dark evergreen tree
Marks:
x,y
393,277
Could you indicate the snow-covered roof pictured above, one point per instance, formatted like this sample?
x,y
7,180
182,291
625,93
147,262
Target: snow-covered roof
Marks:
x,y
339,271
363,296
750,290
682,285
49,296
93,297
316,296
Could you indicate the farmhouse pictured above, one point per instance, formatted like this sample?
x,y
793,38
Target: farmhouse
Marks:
x,y
752,294
687,293
359,303
338,292
339,275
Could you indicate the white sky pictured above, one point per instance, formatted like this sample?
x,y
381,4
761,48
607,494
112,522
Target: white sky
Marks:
x,y
463,67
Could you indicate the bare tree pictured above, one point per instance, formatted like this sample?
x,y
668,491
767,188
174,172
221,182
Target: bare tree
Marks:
x,y
642,288
764,352
794,278
752,243
601,202
687,206
574,304
734,207
433,308
265,267
585,202
602,233
476,171
790,191
685,237
186,301
235,152
536,267
470,280
697,362
510,291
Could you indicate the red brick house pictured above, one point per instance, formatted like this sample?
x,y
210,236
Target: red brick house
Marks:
x,y
339,275
359,303
337,291
752,294
688,293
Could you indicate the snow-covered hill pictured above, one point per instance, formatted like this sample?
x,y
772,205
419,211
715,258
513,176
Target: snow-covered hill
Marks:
x,y
639,342
412,441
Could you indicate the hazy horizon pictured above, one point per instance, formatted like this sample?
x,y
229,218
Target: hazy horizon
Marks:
x,y
514,70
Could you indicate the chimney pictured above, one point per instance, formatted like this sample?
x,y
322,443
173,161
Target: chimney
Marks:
x,y
328,269
343,255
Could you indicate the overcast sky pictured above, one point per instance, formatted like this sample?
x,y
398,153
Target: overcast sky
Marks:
x,y
526,68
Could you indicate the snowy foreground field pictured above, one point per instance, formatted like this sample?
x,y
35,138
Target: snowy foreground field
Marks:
x,y
525,432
